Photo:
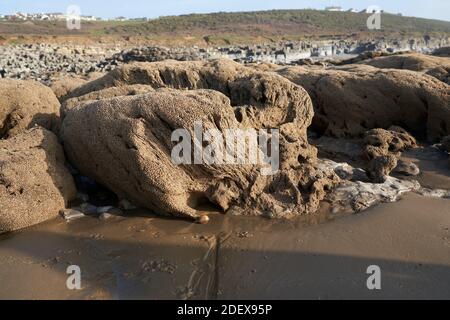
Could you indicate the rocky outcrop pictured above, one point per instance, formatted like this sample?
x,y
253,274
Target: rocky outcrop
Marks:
x,y
406,168
354,195
65,85
127,90
125,142
379,168
378,152
438,67
383,148
350,100
24,104
45,62
381,142
34,183
406,61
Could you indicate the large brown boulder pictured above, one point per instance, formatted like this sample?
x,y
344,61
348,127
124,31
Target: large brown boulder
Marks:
x,y
34,183
125,142
251,93
127,90
438,67
408,61
350,100
24,104
63,86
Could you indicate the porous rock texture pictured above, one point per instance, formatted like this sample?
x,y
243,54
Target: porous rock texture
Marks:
x,y
63,86
24,104
380,142
352,99
34,183
125,142
383,148
438,67
66,83
127,90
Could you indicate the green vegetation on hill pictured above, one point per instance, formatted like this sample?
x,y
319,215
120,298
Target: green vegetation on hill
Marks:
x,y
276,22
230,28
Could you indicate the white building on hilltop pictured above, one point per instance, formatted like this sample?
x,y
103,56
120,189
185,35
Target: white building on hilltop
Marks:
x,y
89,18
53,16
21,16
334,8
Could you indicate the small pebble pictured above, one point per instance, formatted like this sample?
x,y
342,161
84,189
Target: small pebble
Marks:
x,y
71,214
335,210
105,216
203,219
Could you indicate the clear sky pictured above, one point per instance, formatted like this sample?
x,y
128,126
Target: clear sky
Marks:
x,y
436,9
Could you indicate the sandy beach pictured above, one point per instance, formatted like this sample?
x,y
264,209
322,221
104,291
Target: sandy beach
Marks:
x,y
236,257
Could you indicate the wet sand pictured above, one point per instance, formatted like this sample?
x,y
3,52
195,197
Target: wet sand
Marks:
x,y
434,165
236,257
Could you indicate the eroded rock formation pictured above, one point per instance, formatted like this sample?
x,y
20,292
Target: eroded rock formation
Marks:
x,y
24,104
34,183
438,67
352,99
127,90
125,142
383,148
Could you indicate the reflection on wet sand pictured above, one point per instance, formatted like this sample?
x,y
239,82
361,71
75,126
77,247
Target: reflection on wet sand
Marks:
x,y
147,257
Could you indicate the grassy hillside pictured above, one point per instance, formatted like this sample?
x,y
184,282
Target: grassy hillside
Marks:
x,y
228,28
278,22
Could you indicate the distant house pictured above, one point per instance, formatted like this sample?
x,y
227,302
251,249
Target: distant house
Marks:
x,y
53,16
352,10
20,16
121,19
57,16
338,9
89,18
